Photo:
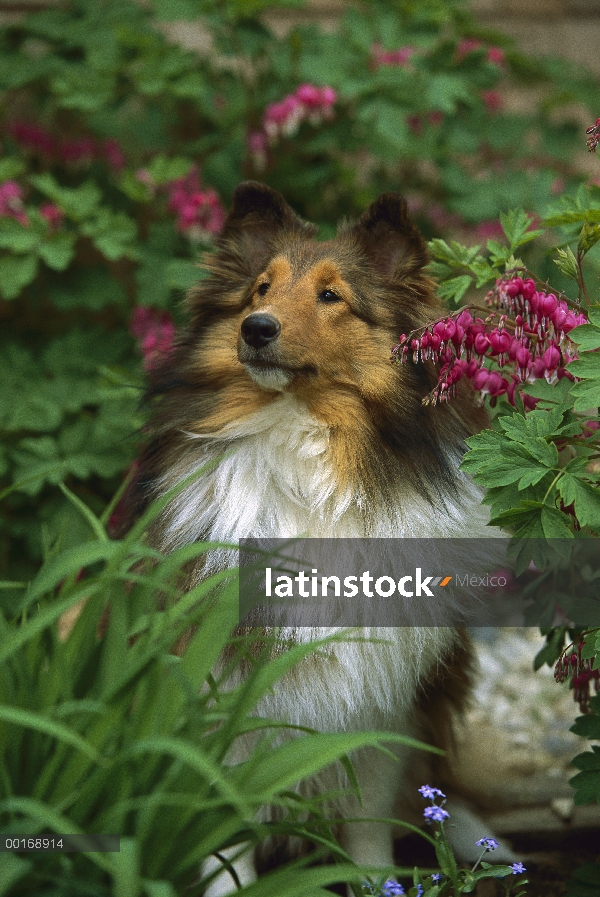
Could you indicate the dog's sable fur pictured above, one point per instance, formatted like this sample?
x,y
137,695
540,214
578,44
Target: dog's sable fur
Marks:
x,y
285,367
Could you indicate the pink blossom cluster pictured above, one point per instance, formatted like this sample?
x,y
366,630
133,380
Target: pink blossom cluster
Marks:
x,y
11,202
572,664
400,57
307,103
524,339
594,136
155,332
74,151
199,211
11,206
495,55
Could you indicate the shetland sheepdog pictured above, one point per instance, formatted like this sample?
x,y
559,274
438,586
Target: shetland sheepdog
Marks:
x,y
283,380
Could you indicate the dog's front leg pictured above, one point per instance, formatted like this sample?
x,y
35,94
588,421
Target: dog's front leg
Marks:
x,y
371,843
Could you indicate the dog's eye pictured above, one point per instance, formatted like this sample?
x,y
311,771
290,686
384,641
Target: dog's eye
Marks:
x,y
263,288
329,296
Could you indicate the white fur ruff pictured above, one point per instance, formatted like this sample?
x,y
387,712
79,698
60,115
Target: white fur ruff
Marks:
x,y
275,479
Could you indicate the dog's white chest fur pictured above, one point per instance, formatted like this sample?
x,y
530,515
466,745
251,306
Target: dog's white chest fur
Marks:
x,y
276,479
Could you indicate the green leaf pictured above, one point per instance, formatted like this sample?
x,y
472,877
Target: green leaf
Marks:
x,y
587,366
16,272
515,225
525,517
163,170
445,91
555,393
182,274
554,524
534,520
113,233
552,650
593,315
587,336
586,783
589,236
586,395
58,250
587,760
588,726
17,237
499,253
87,288
12,869
11,167
445,857
495,460
454,289
77,203
567,263
586,498
585,881
18,716
574,210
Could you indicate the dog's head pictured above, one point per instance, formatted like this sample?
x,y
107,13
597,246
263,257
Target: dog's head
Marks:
x,y
289,313
281,312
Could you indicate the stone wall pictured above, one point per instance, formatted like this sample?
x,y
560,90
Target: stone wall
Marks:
x,y
569,28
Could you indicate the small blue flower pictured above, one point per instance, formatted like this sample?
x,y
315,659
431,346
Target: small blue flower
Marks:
x,y
428,792
488,843
419,890
391,888
518,867
437,814
437,876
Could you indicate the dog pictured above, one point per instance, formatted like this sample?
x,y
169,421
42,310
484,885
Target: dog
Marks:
x,y
281,395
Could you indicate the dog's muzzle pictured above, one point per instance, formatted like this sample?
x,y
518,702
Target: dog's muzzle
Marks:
x,y
260,329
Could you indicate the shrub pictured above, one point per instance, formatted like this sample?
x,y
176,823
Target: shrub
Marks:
x,y
121,151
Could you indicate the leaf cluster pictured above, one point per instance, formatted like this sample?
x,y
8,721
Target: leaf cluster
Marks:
x,y
104,729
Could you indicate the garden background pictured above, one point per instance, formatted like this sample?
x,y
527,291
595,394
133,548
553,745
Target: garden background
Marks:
x,y
125,128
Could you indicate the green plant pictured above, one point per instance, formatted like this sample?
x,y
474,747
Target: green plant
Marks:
x,y
103,729
121,150
450,881
534,358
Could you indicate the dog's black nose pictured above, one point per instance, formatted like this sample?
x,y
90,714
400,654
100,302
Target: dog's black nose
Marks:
x,y
260,329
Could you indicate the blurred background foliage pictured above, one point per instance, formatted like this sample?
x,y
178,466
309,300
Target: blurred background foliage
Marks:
x,y
120,152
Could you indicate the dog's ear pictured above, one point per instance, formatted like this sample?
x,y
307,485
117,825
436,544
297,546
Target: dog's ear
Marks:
x,y
259,215
389,239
